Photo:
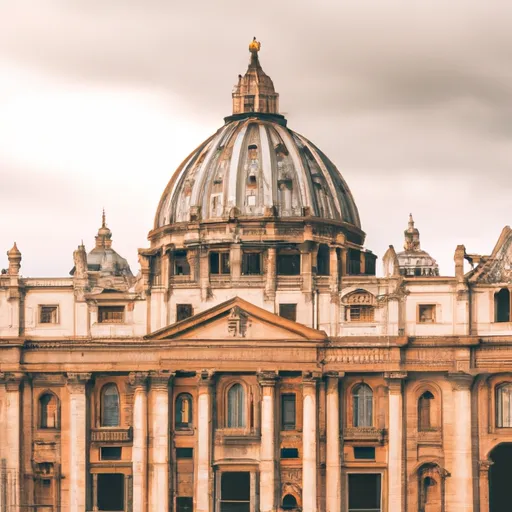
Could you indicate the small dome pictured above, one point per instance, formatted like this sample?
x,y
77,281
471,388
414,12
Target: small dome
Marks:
x,y
251,164
414,261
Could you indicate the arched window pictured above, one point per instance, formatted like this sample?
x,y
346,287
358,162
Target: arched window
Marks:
x,y
109,406
424,411
504,405
362,402
236,406
48,411
183,411
289,502
502,306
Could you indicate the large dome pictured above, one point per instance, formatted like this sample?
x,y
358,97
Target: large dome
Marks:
x,y
254,165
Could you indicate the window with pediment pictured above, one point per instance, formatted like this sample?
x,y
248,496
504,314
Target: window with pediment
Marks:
x,y
504,405
110,410
362,406
359,306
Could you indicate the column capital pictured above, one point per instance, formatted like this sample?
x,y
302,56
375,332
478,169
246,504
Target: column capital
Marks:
x,y
138,379
460,381
485,465
394,380
267,378
11,380
160,379
205,378
309,379
76,381
334,375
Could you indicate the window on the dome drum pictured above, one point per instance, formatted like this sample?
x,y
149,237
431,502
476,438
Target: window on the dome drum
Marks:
x,y
251,263
219,263
111,314
181,265
288,264
353,262
502,305
183,311
369,265
288,311
322,260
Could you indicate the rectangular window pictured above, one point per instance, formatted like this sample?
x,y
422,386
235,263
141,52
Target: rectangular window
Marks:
x,y
235,492
184,504
111,314
364,452
111,492
181,265
184,453
251,263
427,313
353,262
183,311
364,492
360,314
219,263
48,314
288,311
110,452
289,453
288,412
288,264
248,103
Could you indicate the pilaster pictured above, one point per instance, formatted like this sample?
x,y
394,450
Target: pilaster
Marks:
x,y
460,485
396,486
267,381
158,455
204,481
309,442
139,381
76,385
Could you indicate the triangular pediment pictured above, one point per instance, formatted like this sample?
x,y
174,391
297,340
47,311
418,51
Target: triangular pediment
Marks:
x,y
497,268
238,320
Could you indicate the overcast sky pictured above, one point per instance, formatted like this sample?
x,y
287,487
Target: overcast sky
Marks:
x,y
100,100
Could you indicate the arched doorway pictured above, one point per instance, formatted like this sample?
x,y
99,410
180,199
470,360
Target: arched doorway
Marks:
x,y
499,478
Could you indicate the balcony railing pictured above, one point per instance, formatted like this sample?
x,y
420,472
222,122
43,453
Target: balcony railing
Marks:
x,y
364,434
111,435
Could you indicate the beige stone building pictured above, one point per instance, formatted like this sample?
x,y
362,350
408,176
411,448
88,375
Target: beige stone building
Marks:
x,y
255,362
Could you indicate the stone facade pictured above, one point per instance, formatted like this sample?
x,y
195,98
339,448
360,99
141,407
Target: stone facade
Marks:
x,y
256,362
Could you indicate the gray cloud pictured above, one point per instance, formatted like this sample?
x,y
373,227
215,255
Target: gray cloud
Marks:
x,y
412,101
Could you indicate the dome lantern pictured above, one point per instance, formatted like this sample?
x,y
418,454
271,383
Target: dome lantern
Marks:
x,y
255,91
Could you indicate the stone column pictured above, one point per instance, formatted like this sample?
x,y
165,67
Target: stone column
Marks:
x,y
309,443
306,266
460,499
267,382
235,262
12,446
76,383
140,436
333,461
271,274
395,446
484,466
203,482
158,500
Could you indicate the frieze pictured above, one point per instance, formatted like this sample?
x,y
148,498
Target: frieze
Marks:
x,y
118,435
429,357
291,476
360,355
359,297
47,283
